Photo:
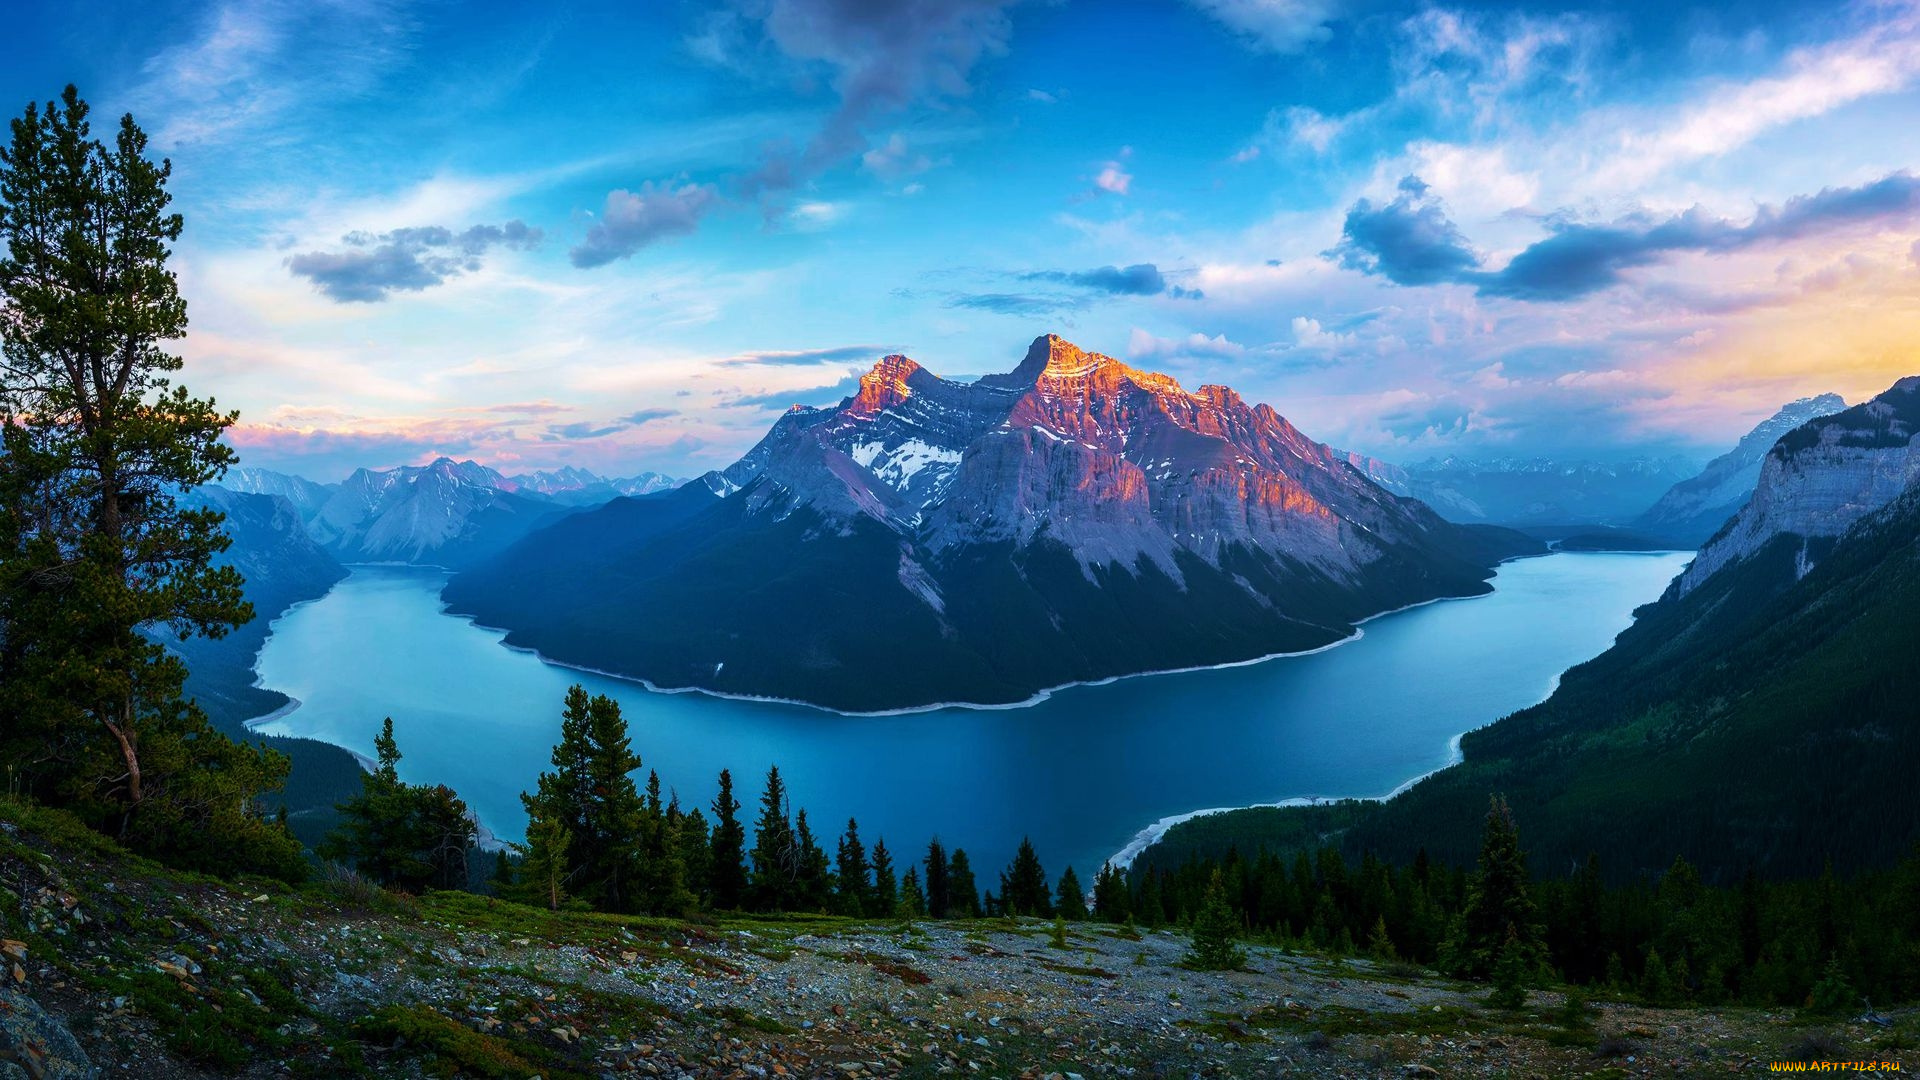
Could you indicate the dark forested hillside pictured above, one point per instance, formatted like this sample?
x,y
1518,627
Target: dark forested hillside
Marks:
x,y
1764,720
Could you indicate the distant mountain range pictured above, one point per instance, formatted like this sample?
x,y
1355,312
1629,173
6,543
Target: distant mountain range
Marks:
x,y
1759,715
929,540
445,513
1532,491
1694,509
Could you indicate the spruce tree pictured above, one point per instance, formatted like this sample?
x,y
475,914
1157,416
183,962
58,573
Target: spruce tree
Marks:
x,y
661,877
728,875
776,858
1499,911
617,814
939,896
1024,889
1071,900
1214,929
545,865
99,561
1112,900
854,892
913,901
692,843
813,886
447,832
886,891
963,896
379,832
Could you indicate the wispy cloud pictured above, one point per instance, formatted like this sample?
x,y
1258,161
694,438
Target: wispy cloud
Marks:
x,y
1278,26
374,266
631,220
836,354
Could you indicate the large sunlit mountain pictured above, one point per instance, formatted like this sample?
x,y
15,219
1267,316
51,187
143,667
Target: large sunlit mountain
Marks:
x,y
1694,509
929,540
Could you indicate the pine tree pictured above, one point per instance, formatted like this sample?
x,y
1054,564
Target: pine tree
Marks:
x,y
591,793
98,557
963,897
379,833
544,864
813,885
1499,912
447,832
776,858
1214,929
1510,974
729,871
1024,887
1071,900
1150,908
939,894
854,892
1112,900
913,901
660,882
1380,943
695,850
886,891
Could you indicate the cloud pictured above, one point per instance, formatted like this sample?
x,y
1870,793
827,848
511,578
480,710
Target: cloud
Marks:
x,y
1142,345
894,159
830,394
632,220
1309,334
1578,259
808,357
1113,180
1140,279
1017,303
1277,26
586,429
1409,241
373,266
1043,97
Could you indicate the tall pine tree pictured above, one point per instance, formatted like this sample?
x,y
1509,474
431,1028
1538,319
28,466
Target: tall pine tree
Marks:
x,y
776,858
728,875
1499,913
939,898
854,890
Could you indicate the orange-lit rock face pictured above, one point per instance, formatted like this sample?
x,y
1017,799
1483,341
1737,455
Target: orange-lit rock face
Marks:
x,y
1079,449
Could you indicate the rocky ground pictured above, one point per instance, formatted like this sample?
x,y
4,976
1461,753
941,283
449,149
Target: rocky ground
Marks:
x,y
115,967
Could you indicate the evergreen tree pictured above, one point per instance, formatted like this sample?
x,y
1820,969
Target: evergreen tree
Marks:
x,y
886,891
591,793
1499,911
1023,889
813,886
99,561
1214,929
1380,943
1071,900
729,872
695,850
776,858
913,901
545,864
660,883
963,896
1510,975
939,893
1112,900
447,832
378,832
1150,908
854,892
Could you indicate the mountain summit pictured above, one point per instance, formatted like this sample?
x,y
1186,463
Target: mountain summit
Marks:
x,y
928,540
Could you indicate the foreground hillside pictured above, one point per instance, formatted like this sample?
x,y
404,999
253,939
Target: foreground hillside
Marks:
x,y
144,972
933,541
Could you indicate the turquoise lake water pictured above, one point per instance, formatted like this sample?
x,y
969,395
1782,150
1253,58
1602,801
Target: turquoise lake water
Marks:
x,y
1082,772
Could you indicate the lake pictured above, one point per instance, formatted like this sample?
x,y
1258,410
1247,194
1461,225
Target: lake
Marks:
x,y
1082,772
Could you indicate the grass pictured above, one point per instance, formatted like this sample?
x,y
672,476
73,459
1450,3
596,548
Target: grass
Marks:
x,y
448,1048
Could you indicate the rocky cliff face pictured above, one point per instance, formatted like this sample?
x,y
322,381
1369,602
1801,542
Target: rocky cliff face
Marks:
x,y
930,540
1821,478
1693,510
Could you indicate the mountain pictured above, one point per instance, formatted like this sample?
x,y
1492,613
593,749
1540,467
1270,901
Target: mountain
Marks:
x,y
1821,478
1759,715
305,495
1694,509
446,513
929,540
579,487
1533,491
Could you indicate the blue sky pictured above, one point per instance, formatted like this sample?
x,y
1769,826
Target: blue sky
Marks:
x,y
623,236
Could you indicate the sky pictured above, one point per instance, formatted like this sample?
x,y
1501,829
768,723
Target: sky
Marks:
x,y
624,236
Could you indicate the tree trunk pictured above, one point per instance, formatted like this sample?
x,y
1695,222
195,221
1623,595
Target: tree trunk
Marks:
x,y
123,733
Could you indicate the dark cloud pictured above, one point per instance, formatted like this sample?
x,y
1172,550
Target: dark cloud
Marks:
x,y
806,357
1409,241
631,220
405,260
830,394
587,429
1140,279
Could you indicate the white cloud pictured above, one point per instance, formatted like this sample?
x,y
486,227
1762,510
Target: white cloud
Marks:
x,y
1278,26
1113,179
1142,345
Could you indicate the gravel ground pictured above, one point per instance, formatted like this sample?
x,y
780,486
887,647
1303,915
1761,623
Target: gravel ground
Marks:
x,y
163,975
